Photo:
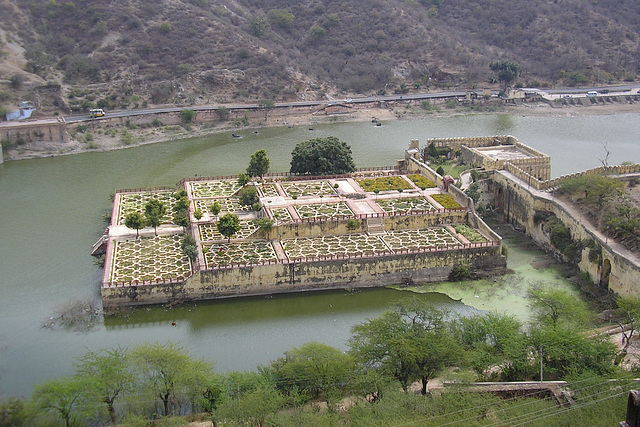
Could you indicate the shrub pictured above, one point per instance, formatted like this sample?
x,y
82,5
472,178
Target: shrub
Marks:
x,y
384,184
421,181
187,116
459,273
353,224
471,235
446,201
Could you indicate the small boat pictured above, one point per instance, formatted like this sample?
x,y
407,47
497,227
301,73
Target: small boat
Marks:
x,y
255,132
235,135
378,124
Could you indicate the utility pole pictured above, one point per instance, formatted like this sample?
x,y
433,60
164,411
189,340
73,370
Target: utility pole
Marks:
x,y
541,365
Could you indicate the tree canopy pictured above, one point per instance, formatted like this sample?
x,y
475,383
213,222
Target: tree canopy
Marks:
x,y
136,221
322,156
154,212
408,342
258,164
505,71
228,225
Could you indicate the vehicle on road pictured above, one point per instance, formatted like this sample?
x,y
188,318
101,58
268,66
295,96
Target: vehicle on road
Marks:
x,y
348,100
604,91
592,93
96,112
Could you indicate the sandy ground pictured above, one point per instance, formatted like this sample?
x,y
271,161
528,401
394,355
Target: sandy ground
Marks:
x,y
103,142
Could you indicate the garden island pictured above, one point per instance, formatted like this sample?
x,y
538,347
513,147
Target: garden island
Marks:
x,y
230,236
260,234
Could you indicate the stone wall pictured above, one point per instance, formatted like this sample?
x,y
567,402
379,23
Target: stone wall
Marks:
x,y
349,273
43,130
519,205
326,227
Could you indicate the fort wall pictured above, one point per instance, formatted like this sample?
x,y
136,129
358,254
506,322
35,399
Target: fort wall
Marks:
x,y
362,272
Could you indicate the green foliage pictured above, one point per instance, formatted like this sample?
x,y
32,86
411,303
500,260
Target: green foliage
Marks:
x,y
154,212
554,307
169,374
421,181
281,18
165,27
426,105
408,342
383,184
259,26
322,156
594,190
14,412
264,224
248,196
353,224
108,375
16,81
228,225
314,369
493,340
189,247
473,192
566,352
560,237
258,164
469,233
65,397
459,273
440,171
215,208
446,201
187,116
197,214
505,71
135,221
222,113
243,179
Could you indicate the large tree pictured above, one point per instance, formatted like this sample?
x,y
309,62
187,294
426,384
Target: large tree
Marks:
x,y
315,368
228,225
411,341
108,373
258,164
64,397
154,212
167,372
556,307
505,71
322,156
136,221
492,340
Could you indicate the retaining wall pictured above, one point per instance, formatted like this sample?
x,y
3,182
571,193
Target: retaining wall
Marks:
x,y
315,275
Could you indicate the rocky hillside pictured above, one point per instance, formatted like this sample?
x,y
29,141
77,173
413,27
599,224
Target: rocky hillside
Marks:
x,y
127,53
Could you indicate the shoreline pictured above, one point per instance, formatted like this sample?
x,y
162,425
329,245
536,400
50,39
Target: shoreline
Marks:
x,y
102,142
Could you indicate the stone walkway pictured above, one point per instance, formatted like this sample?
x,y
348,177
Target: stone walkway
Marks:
x,y
615,247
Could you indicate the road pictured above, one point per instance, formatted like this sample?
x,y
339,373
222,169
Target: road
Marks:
x,y
548,94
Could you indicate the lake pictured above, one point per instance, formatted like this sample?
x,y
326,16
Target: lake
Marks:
x,y
51,213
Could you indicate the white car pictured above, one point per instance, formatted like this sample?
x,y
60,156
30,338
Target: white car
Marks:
x,y
348,100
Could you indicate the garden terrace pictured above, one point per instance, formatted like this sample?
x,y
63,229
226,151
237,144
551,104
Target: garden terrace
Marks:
x,y
134,201
368,216
157,259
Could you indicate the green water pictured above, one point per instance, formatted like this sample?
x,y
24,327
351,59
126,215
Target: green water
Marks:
x,y
50,215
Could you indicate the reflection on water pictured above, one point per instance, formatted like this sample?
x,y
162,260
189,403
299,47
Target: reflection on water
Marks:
x,y
503,124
